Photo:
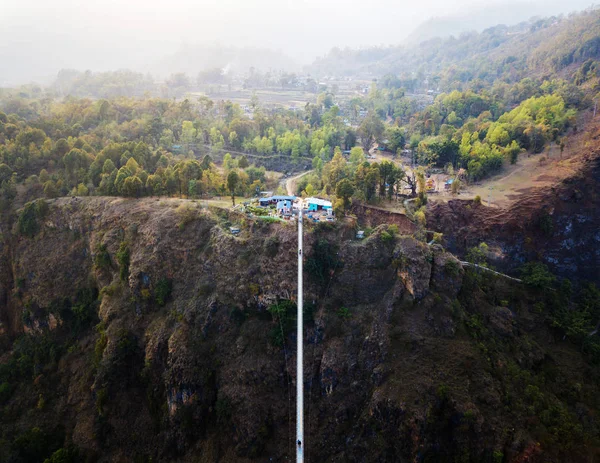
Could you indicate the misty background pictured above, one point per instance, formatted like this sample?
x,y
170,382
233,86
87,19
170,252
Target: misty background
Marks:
x,y
39,38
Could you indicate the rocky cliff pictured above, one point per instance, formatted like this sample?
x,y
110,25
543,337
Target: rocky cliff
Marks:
x,y
142,330
558,225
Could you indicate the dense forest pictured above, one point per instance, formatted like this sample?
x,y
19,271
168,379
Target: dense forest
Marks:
x,y
155,146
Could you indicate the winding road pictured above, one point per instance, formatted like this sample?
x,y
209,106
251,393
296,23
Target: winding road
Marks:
x,y
290,183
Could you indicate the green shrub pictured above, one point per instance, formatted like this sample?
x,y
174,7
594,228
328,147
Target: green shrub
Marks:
x,y
68,455
283,315
31,356
162,292
452,267
478,254
537,275
442,392
27,223
539,307
344,313
477,200
102,258
475,326
186,213
420,217
123,258
99,347
84,307
270,219
390,233
110,290
101,399
385,237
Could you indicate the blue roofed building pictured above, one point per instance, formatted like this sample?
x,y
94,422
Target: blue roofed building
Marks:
x,y
287,200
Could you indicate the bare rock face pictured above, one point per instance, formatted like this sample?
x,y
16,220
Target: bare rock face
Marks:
x,y
364,274
415,261
447,273
187,353
502,321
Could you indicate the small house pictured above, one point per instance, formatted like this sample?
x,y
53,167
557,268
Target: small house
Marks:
x,y
234,230
284,206
360,235
268,200
318,204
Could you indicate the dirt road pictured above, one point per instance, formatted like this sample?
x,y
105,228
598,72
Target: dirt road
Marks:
x,y
290,183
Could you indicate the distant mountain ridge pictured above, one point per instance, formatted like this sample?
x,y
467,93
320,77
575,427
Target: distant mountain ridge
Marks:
x,y
551,41
479,19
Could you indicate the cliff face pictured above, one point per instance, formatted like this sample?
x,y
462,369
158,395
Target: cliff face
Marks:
x,y
153,333
558,225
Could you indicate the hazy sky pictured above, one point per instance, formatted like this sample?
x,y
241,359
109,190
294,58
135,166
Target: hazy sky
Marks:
x,y
39,37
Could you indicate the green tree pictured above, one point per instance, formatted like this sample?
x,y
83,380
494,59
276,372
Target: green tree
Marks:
x,y
395,137
82,190
243,162
357,156
370,130
154,185
132,186
122,175
188,134
108,166
206,162
228,162
512,152
50,190
61,147
5,173
123,258
345,190
232,183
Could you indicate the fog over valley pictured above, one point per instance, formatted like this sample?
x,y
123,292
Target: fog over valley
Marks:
x,y
38,38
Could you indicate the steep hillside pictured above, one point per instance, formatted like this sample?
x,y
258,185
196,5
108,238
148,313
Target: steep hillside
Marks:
x,y
142,330
533,48
558,225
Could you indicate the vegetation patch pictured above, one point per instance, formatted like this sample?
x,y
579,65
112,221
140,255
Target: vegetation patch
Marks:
x,y
123,259
28,220
162,291
322,260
